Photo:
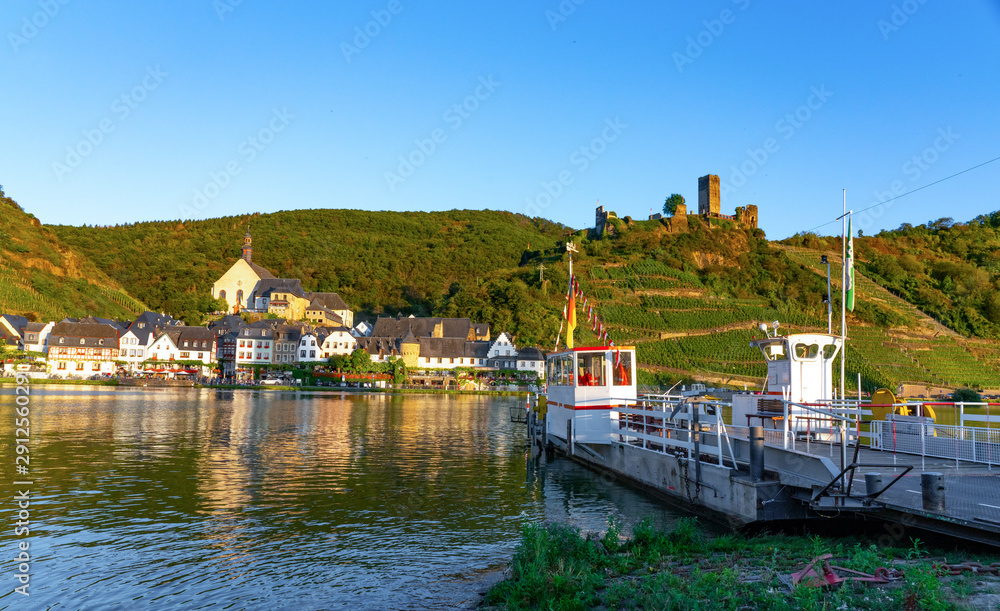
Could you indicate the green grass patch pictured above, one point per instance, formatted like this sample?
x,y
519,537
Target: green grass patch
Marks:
x,y
557,567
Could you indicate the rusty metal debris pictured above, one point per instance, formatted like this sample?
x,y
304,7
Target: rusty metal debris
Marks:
x,y
970,567
831,576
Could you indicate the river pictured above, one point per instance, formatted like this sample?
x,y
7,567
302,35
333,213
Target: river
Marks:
x,y
198,498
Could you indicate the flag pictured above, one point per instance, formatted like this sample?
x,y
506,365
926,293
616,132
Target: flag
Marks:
x,y
571,316
849,265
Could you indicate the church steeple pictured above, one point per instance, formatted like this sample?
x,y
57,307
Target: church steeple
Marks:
x,y
247,247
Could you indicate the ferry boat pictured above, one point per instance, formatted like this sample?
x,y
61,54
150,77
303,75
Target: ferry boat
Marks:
x,y
585,387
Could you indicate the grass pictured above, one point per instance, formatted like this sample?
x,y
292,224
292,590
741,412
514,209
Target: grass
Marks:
x,y
556,567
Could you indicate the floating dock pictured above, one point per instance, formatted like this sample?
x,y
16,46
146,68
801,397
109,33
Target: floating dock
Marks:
x,y
786,455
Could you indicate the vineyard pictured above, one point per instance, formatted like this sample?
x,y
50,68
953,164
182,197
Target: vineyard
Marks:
x,y
43,280
680,323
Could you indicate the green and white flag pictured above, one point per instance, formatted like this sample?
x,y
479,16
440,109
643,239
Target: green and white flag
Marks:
x,y
849,264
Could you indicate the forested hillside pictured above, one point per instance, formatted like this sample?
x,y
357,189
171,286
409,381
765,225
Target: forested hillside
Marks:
x,y
43,280
691,303
928,310
379,262
949,270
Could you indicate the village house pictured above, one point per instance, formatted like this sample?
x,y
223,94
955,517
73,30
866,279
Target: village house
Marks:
x,y
286,344
82,349
311,347
254,347
445,343
36,336
173,351
328,309
337,341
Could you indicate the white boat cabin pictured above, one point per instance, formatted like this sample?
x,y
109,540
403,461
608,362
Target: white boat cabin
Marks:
x,y
584,386
799,369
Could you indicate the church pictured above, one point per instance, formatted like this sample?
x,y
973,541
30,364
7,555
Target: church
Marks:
x,y
239,286
248,286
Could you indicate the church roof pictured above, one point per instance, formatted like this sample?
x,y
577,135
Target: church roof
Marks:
x,y
261,272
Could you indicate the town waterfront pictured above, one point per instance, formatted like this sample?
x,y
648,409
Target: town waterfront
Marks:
x,y
198,498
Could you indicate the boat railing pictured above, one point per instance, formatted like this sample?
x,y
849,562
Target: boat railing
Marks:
x,y
922,436
674,424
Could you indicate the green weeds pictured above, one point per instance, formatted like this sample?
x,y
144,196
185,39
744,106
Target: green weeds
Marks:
x,y
556,567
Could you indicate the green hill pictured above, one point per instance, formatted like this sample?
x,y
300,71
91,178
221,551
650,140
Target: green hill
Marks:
x,y
691,303
379,262
927,307
43,280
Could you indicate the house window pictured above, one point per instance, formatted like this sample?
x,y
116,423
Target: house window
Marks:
x,y
138,352
302,354
31,337
222,294
100,342
201,355
312,354
124,352
451,361
79,366
439,359
95,367
61,365
81,340
131,352
62,340
185,343
480,361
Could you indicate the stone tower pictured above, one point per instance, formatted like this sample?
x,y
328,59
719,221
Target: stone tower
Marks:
x,y
409,349
709,195
247,248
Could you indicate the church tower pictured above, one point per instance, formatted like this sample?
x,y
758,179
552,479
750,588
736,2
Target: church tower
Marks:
x,y
247,248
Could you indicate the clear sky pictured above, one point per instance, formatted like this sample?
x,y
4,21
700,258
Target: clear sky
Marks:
x,y
117,112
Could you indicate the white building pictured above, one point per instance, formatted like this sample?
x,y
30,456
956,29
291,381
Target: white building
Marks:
x,y
36,336
338,341
311,348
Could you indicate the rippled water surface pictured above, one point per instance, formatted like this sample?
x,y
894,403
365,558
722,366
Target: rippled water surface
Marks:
x,y
268,500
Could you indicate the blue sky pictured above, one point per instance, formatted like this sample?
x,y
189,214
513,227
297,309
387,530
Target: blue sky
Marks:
x,y
124,112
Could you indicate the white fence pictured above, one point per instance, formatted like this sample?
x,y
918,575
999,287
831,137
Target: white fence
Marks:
x,y
968,443
665,423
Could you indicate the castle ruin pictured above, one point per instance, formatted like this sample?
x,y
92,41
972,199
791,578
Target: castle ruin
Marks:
x,y
709,207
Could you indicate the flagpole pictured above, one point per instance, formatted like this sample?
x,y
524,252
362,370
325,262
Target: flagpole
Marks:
x,y
843,296
843,340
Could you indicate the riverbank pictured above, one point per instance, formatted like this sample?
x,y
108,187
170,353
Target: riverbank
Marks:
x,y
555,567
413,391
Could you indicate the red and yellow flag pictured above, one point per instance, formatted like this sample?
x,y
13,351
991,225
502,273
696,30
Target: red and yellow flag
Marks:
x,y
570,316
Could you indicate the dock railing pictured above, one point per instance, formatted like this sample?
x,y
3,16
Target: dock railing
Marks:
x,y
672,424
668,423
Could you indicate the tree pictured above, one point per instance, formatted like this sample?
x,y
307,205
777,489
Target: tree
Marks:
x,y
966,395
670,206
361,361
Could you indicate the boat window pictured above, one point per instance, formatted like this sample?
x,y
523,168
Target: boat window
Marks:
x,y
829,351
623,368
560,370
806,351
774,351
590,369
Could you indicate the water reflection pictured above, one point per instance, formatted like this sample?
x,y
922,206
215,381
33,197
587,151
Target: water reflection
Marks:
x,y
194,498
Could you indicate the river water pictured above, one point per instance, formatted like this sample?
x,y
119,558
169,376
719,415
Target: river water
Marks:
x,y
196,499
